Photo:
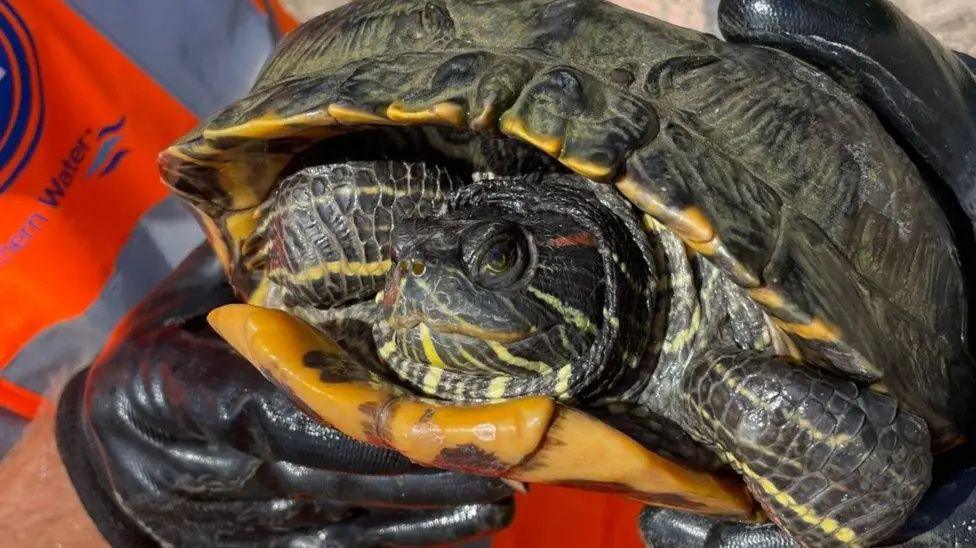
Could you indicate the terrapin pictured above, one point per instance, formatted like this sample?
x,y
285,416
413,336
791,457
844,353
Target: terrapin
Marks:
x,y
764,283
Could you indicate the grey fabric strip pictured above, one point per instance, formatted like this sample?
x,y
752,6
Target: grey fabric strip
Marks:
x,y
205,53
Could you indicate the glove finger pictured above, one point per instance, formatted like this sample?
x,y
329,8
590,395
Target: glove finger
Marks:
x,y
412,528
308,521
662,528
293,522
205,382
422,488
918,87
298,438
739,535
181,521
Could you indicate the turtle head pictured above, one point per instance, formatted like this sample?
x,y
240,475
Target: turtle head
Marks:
x,y
506,292
483,290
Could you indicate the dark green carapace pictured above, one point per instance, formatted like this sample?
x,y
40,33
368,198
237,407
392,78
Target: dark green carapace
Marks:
x,y
710,246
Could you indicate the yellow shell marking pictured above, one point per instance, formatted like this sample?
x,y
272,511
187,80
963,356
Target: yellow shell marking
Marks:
x,y
234,179
586,168
177,151
690,224
486,120
767,297
440,113
238,179
350,115
215,238
270,126
515,127
241,224
816,330
576,441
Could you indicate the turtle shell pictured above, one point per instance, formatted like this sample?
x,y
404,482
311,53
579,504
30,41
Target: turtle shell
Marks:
x,y
754,159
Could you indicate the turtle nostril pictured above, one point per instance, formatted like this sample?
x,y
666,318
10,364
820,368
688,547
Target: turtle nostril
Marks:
x,y
411,266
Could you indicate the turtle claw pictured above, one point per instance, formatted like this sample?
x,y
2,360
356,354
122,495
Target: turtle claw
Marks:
x,y
531,439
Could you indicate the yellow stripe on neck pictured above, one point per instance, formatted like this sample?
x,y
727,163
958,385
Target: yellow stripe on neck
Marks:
x,y
430,351
346,268
511,359
572,315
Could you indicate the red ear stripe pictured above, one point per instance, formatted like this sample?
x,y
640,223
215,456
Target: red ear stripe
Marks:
x,y
571,240
392,289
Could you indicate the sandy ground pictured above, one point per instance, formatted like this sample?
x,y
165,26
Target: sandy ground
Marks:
x,y
687,13
952,21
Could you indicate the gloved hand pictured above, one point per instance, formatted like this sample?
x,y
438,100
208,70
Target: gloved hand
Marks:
x,y
926,96
172,438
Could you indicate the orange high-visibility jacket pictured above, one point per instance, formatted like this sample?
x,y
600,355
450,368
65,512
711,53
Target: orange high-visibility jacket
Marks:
x,y
90,92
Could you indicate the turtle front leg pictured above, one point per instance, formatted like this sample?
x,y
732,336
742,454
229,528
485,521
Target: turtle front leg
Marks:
x,y
831,462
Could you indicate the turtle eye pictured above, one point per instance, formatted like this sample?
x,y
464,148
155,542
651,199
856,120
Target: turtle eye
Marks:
x,y
501,256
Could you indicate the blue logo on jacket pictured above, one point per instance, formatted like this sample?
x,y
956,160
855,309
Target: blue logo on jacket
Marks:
x,y
109,155
21,102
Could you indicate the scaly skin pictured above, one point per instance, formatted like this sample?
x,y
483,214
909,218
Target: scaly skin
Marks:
x,y
832,463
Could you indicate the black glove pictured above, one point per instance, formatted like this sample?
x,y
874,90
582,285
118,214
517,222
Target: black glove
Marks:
x,y
926,97
172,438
